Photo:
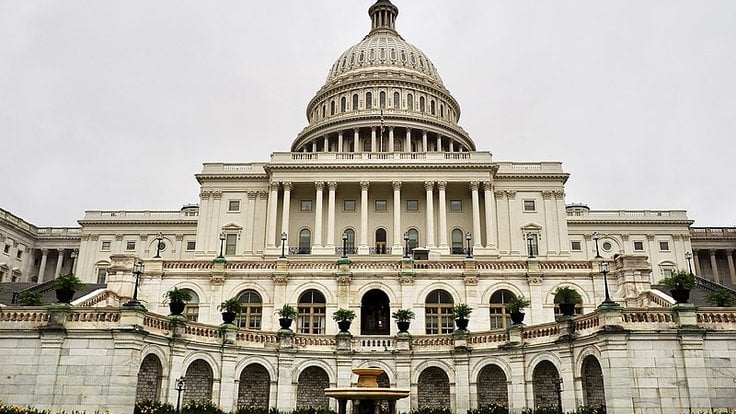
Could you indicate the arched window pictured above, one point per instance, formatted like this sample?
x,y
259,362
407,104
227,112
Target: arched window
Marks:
x,y
413,236
457,242
578,308
350,241
323,111
380,241
431,107
355,102
332,107
397,100
343,104
410,102
368,100
191,309
366,145
438,313
421,104
305,242
311,318
499,314
382,99
250,315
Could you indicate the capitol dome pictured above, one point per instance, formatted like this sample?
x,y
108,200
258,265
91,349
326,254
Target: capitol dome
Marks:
x,y
383,94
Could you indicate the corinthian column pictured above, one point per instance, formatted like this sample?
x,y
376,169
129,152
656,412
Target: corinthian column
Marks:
x,y
441,187
476,214
428,186
490,204
363,248
319,186
397,218
285,210
42,268
332,186
273,201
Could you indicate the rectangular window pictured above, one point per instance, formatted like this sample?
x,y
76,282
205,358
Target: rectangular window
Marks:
x,y
231,240
638,246
191,245
532,244
381,205
530,205
18,254
456,205
6,249
233,206
348,205
576,246
130,245
306,205
412,205
664,246
105,246
102,276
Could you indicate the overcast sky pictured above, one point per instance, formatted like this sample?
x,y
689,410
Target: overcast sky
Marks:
x,y
116,104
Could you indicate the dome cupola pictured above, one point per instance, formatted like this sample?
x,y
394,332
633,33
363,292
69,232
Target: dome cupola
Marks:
x,y
383,94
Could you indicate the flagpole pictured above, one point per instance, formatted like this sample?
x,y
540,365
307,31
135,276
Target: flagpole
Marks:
x,y
380,142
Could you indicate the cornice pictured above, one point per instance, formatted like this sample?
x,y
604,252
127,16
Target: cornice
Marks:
x,y
382,166
535,176
577,220
155,221
201,178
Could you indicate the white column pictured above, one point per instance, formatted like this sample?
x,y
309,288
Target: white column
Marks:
x,y
407,140
396,249
713,265
42,268
731,269
357,145
696,262
439,143
319,186
441,187
250,210
452,145
332,186
339,142
428,185
326,146
474,185
550,217
490,204
273,200
75,260
363,248
424,141
285,209
59,262
562,232
217,197
314,145
374,147
390,139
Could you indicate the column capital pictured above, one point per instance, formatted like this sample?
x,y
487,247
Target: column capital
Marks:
x,y
625,236
390,129
263,195
252,195
60,251
510,194
729,252
396,184
179,236
428,185
364,185
487,186
319,185
650,236
332,185
713,251
217,195
677,236
287,185
373,129
118,237
143,237
559,194
204,194
441,185
44,251
588,237
547,194
274,185
499,193
356,130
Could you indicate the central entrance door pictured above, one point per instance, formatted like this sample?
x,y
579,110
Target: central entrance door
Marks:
x,y
374,313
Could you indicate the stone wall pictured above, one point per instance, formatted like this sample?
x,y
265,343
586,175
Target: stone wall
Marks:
x,y
149,379
199,381
310,390
545,380
593,389
492,387
433,389
254,387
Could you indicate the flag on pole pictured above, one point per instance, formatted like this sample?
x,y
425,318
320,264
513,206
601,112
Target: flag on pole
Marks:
x,y
383,125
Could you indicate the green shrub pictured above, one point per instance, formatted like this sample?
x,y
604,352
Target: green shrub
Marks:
x,y
29,298
432,411
490,409
153,407
201,407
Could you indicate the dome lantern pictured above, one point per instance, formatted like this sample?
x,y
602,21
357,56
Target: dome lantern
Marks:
x,y
383,16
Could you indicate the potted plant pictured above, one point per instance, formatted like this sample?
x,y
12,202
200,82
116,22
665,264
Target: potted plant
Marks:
x,y
403,319
720,297
177,300
515,306
680,282
230,309
461,311
29,298
343,317
287,313
66,285
567,297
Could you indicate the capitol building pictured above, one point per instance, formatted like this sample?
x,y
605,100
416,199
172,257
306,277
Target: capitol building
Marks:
x,y
382,202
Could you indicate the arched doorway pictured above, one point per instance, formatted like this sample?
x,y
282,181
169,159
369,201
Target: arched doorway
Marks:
x,y
492,387
199,382
381,241
149,379
595,395
546,384
374,313
433,389
254,387
310,391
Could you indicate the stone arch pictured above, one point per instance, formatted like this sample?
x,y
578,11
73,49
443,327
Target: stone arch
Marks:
x,y
550,295
254,386
242,287
488,292
310,388
150,376
375,313
199,377
328,294
433,389
392,296
545,384
594,394
390,376
492,386
421,297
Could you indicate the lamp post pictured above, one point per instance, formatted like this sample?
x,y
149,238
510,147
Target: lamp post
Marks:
x,y
596,237
467,241
406,245
530,240
222,242
181,383
159,239
283,245
344,245
138,268
603,267
689,257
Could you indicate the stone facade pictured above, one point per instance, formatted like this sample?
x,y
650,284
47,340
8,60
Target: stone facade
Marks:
x,y
149,379
311,387
254,387
199,381
492,386
433,389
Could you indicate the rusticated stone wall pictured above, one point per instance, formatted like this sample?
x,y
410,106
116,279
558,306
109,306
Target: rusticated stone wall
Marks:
x,y
149,379
433,389
593,382
546,380
492,387
199,381
253,390
310,390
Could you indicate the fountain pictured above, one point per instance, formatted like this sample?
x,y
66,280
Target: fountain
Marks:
x,y
366,396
